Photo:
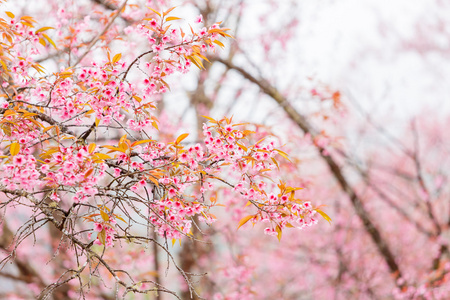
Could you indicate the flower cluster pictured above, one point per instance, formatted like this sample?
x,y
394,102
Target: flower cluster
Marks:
x,y
105,227
171,216
225,142
47,123
76,167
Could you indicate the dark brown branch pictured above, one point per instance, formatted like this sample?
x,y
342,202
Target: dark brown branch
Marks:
x,y
107,4
304,125
47,119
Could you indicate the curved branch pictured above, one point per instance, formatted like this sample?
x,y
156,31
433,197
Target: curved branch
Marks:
x,y
335,169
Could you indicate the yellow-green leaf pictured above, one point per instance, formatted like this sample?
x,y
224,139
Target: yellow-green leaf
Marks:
x,y
140,142
102,236
14,148
260,141
49,40
242,147
284,154
3,65
154,11
89,112
120,218
275,162
112,148
36,123
101,156
28,19
174,241
219,43
279,232
42,41
324,215
104,215
44,29
210,119
169,10
48,128
196,61
165,83
245,220
116,58
122,139
181,137
91,148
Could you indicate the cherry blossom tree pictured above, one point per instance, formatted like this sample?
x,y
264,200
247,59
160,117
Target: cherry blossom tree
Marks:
x,y
89,182
104,195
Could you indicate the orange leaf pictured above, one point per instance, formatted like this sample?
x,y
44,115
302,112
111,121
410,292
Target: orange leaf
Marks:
x,y
219,43
10,14
154,11
101,156
48,128
210,119
140,142
181,137
169,10
89,172
242,147
172,19
245,220
116,58
122,139
153,180
44,29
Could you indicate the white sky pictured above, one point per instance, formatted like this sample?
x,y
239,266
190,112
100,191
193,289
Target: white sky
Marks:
x,y
393,56
357,45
